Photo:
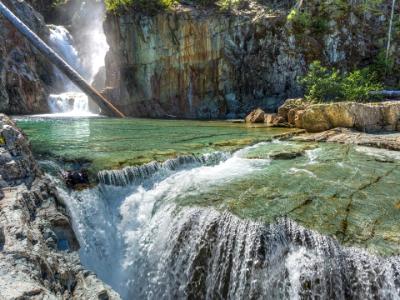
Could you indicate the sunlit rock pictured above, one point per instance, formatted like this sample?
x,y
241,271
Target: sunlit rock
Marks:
x,y
371,117
256,116
38,245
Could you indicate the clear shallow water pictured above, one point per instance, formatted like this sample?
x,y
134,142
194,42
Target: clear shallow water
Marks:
x,y
274,220
116,143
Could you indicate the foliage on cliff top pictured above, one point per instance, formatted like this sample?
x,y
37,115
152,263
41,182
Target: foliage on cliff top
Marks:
x,y
323,84
153,6
143,5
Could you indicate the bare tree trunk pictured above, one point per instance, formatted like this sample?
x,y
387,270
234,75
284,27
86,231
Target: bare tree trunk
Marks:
x,y
54,58
390,32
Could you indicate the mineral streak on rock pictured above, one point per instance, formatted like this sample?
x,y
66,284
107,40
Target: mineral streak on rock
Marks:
x,y
191,62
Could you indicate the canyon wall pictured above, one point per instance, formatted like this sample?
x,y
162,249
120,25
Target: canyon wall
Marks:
x,y
191,62
25,75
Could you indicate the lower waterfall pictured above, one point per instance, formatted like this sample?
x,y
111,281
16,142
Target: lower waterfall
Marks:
x,y
140,240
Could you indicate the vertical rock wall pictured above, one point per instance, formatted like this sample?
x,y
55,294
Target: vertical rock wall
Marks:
x,y
203,63
25,75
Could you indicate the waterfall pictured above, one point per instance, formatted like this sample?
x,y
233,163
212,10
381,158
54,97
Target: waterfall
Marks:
x,y
136,174
136,236
200,253
71,102
62,42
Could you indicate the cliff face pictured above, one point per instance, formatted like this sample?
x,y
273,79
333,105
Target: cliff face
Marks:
x,y
195,63
38,246
25,75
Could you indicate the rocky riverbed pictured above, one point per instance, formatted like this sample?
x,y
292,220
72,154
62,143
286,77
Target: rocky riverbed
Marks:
x,y
38,246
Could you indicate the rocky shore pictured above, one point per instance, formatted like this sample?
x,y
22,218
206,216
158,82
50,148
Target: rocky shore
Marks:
x,y
38,247
364,117
365,124
389,141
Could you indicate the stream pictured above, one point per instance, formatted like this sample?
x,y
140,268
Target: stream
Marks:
x,y
219,210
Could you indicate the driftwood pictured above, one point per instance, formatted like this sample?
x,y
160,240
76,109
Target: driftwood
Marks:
x,y
59,62
387,93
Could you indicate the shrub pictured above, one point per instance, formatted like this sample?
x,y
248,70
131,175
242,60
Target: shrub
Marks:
x,y
150,6
153,6
322,84
358,85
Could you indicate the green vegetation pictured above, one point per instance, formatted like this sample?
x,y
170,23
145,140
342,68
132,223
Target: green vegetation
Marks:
x,y
152,6
144,5
303,20
324,84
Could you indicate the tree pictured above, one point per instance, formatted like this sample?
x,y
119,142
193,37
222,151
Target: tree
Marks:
x,y
389,39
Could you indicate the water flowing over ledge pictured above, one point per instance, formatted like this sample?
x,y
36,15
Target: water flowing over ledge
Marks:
x,y
136,174
148,241
201,253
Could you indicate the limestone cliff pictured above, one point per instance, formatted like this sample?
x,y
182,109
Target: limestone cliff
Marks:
x,y
25,75
38,246
193,62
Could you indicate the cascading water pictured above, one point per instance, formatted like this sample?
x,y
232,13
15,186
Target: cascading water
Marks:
x,y
137,238
71,102
62,42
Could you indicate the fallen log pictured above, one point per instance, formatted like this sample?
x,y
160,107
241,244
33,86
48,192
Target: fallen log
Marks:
x,y
387,93
60,63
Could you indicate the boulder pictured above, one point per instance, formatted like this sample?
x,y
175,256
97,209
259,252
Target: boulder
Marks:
x,y
17,164
274,120
314,119
370,117
298,118
256,116
77,179
339,114
288,110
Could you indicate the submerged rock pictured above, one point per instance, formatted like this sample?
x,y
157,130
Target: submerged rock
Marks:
x,y
76,179
38,246
348,136
287,155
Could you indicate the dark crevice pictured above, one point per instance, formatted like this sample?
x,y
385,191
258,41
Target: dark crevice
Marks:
x,y
2,239
304,203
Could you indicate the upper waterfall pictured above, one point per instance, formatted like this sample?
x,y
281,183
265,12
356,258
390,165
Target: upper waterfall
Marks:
x,y
70,101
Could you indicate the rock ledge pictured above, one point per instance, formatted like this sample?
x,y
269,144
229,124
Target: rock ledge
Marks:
x,y
38,246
